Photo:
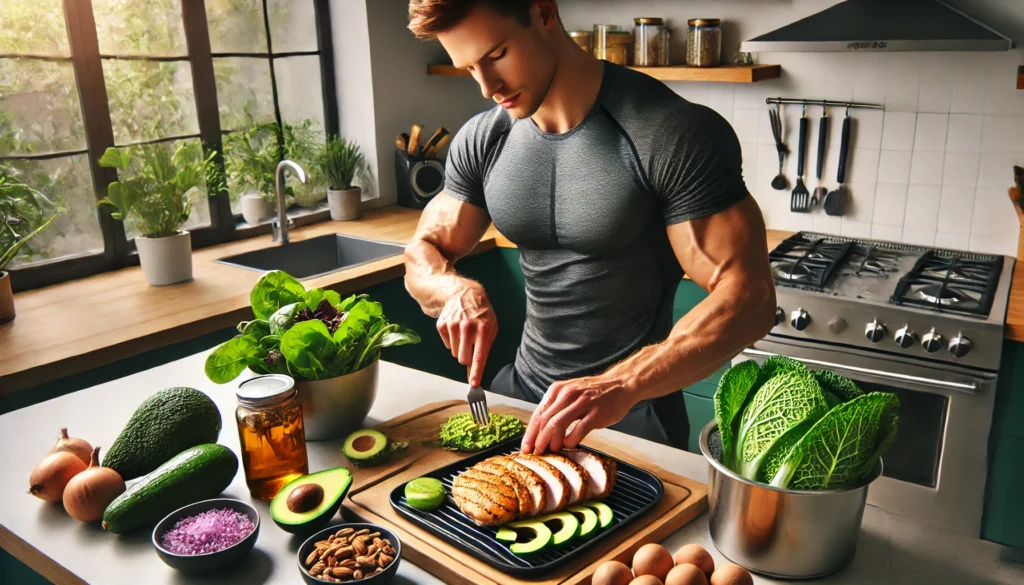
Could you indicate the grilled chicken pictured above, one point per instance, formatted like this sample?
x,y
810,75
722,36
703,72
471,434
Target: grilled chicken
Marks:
x,y
578,478
600,469
501,489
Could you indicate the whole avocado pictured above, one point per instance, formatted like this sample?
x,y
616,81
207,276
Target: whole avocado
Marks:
x,y
164,425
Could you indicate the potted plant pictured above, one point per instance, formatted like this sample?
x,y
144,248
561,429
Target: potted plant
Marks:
x,y
330,346
154,195
23,215
341,161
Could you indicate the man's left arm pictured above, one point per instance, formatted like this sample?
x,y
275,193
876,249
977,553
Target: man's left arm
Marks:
x,y
726,254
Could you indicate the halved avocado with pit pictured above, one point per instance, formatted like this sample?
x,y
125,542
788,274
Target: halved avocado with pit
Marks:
x,y
310,501
604,513
366,447
527,536
587,518
564,527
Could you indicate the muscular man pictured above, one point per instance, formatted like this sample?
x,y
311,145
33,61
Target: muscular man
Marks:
x,y
611,186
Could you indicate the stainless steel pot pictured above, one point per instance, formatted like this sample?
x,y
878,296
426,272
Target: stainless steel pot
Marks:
x,y
780,533
333,407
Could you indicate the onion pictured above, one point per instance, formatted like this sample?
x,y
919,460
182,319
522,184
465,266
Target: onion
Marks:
x,y
78,447
89,493
52,475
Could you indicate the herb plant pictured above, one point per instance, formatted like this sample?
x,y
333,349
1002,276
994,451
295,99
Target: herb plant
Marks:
x,y
341,162
793,428
308,335
253,154
23,215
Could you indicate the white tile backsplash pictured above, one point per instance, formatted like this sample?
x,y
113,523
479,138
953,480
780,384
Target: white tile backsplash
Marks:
x,y
898,130
894,166
996,169
964,134
863,166
956,209
922,211
936,87
926,167
747,124
960,169
902,84
918,237
968,87
952,241
930,134
890,204
889,233
994,222
1000,134
866,131
860,205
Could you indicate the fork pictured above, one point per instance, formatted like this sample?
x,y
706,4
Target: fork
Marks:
x,y
478,406
801,199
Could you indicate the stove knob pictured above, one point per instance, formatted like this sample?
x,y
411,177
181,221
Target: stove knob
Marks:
x,y
960,345
932,341
905,337
799,319
837,325
875,331
780,315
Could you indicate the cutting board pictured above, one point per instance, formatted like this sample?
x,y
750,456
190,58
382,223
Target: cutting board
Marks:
x,y
368,500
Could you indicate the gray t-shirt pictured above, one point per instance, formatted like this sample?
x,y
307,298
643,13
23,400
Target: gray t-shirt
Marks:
x,y
588,210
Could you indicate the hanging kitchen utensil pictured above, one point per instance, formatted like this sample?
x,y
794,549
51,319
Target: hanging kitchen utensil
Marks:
x,y
821,191
779,183
800,200
835,201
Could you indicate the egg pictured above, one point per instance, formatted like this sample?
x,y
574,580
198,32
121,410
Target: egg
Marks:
x,y
612,573
646,580
686,574
652,559
731,575
696,555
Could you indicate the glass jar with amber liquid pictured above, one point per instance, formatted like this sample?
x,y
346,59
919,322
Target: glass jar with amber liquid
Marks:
x,y
269,417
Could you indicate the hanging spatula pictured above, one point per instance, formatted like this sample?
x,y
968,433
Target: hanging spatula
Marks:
x,y
835,201
821,191
800,200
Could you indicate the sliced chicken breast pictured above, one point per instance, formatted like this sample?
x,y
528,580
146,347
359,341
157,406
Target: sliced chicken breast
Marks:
x,y
535,486
526,505
578,478
556,486
485,498
600,469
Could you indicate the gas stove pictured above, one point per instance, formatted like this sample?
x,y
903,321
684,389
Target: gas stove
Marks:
x,y
907,302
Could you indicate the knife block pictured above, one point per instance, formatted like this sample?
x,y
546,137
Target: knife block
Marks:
x,y
417,179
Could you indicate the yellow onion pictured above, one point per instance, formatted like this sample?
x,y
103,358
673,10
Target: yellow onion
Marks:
x,y
52,475
89,493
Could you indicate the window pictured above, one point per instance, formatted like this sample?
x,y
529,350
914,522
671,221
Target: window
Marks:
x,y
78,77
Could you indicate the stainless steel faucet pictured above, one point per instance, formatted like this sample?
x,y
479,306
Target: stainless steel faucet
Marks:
x,y
283,222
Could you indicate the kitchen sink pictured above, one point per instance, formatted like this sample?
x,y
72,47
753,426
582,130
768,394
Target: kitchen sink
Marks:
x,y
315,256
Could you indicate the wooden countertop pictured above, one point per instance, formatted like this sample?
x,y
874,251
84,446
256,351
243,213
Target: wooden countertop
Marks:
x,y
83,324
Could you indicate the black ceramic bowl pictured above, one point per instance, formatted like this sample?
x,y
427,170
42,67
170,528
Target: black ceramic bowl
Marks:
x,y
209,562
379,579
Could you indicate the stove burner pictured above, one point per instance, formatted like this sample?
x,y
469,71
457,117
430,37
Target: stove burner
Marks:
x,y
791,271
949,282
807,263
870,261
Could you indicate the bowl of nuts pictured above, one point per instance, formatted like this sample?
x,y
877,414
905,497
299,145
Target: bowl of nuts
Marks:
x,y
346,553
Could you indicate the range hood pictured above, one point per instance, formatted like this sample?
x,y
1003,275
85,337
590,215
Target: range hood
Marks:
x,y
883,25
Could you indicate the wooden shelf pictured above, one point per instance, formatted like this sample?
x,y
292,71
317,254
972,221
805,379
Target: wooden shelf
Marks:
x,y
724,74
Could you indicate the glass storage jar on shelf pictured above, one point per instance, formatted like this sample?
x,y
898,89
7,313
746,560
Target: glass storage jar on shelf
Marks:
x,y
271,434
650,42
704,42
582,38
611,44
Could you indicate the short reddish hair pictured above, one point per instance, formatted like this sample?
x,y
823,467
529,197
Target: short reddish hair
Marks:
x,y
429,18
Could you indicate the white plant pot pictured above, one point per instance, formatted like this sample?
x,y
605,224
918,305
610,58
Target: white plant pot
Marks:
x,y
166,260
254,208
344,204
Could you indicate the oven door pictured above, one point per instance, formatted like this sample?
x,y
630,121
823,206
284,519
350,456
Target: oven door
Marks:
x,y
936,469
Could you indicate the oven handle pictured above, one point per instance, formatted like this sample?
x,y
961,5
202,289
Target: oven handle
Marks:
x,y
971,388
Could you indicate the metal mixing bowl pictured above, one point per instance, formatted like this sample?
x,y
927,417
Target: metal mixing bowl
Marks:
x,y
334,407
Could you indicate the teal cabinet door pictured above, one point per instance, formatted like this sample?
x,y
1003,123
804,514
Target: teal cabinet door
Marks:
x,y
699,411
1004,506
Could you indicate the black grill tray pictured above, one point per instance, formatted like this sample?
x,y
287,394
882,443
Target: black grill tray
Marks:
x,y
635,492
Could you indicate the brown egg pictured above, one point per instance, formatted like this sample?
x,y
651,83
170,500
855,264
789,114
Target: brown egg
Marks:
x,y
646,580
731,575
612,573
696,555
686,574
652,559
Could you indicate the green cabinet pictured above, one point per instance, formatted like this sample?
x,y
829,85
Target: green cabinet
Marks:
x,y
1004,507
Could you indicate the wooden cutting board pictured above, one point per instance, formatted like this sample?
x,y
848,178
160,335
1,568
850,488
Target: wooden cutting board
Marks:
x,y
368,500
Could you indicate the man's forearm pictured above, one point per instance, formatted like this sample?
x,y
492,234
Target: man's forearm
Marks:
x,y
431,278
731,318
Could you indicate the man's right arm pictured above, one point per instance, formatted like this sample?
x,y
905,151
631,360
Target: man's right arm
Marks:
x,y
448,230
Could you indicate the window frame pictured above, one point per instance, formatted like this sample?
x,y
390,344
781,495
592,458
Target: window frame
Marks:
x,y
87,63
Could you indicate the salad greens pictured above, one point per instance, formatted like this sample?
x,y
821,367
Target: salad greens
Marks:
x,y
460,433
308,335
783,424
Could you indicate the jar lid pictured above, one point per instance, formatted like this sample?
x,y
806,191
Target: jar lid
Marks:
x,y
649,20
705,22
265,390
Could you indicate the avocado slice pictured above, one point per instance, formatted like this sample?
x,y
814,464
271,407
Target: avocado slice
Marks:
x,y
310,501
366,447
604,513
587,517
564,527
526,536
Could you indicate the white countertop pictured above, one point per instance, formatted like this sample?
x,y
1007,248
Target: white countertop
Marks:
x,y
891,549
